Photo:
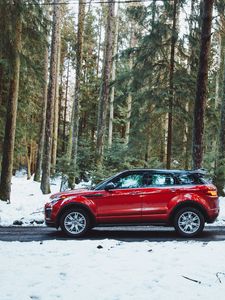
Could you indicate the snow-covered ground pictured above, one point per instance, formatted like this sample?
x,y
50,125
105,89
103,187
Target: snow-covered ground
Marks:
x,y
112,270
103,269
27,203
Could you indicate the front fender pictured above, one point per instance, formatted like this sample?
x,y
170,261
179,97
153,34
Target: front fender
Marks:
x,y
80,200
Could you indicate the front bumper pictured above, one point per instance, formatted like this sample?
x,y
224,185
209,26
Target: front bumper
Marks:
x,y
48,213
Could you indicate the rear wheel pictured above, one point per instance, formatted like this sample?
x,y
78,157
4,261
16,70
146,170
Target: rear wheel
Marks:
x,y
75,222
189,222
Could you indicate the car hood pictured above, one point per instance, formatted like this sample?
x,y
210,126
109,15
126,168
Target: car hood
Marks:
x,y
77,192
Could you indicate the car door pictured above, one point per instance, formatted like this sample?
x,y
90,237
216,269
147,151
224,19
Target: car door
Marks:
x,y
159,191
122,203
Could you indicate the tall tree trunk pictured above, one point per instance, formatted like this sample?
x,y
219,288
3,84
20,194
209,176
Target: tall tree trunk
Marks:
x,y
112,94
171,86
10,127
189,104
219,179
46,166
65,108
1,82
220,4
106,74
29,159
99,41
76,103
220,166
37,175
201,89
129,97
56,108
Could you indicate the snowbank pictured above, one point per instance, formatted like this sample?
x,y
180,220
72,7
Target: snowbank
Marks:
x,y
119,270
27,203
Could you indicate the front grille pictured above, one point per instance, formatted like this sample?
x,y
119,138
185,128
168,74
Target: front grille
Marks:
x,y
48,212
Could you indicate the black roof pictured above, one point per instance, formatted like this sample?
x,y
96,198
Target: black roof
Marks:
x,y
199,171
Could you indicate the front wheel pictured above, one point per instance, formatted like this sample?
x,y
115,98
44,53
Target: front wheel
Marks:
x,y
75,222
189,222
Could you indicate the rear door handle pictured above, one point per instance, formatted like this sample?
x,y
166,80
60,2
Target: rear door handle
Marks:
x,y
173,190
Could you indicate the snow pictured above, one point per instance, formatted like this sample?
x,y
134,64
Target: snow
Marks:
x,y
119,270
103,269
27,203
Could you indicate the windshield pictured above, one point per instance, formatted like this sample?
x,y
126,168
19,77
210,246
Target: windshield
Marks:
x,y
101,185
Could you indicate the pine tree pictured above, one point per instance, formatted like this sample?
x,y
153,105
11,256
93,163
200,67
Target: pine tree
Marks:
x,y
10,127
219,179
46,165
201,88
39,158
171,86
105,86
76,103
112,93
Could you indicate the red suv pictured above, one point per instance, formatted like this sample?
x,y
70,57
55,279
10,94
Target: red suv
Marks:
x,y
183,199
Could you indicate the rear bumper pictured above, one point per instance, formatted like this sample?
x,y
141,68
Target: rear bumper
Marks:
x,y
212,215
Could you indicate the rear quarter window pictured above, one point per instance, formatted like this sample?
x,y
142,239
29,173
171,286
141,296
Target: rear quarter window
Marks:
x,y
194,179
187,179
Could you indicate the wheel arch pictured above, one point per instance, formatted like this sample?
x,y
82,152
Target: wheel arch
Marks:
x,y
76,205
188,204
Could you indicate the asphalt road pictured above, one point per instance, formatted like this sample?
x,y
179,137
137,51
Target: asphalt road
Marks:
x,y
128,234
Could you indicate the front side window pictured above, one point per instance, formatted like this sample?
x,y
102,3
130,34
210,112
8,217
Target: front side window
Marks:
x,y
128,181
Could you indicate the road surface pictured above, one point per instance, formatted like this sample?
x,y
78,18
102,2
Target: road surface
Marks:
x,y
128,234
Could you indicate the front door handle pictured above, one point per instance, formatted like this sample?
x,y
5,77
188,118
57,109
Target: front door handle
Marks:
x,y
135,193
173,190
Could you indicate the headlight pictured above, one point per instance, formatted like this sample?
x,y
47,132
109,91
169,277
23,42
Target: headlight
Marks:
x,y
56,199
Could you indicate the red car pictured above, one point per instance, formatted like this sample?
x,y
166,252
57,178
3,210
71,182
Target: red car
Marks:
x,y
183,199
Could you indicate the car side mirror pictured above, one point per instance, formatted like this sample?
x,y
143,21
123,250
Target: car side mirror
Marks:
x,y
109,186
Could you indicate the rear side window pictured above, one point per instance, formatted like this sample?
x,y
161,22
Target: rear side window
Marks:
x,y
162,179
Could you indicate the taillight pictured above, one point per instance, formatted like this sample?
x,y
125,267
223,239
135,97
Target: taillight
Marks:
x,y
212,193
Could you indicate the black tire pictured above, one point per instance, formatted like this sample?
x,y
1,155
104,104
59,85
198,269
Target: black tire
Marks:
x,y
189,222
75,222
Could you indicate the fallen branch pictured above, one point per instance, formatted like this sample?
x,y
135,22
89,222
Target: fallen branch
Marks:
x,y
218,276
194,280
37,212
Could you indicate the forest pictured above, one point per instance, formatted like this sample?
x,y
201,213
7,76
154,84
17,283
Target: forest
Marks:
x,y
92,87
